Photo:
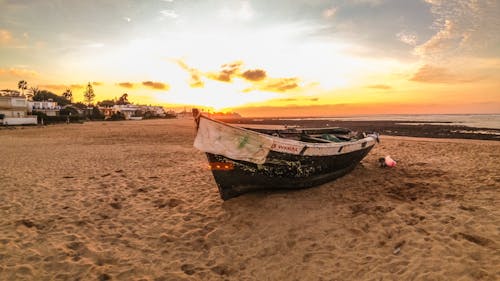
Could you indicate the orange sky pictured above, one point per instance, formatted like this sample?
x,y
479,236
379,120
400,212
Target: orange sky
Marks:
x,y
299,58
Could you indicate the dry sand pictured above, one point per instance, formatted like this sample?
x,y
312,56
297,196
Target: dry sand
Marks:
x,y
135,201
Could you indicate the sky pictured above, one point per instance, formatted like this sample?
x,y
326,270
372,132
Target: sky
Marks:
x,y
260,57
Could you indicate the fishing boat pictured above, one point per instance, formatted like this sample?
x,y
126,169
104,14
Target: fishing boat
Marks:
x,y
249,159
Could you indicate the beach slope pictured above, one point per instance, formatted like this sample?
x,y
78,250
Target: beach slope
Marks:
x,y
135,201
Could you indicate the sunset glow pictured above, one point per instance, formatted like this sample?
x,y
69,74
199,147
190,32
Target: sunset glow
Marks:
x,y
285,58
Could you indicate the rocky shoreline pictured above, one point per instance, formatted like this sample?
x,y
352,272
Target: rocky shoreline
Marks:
x,y
427,129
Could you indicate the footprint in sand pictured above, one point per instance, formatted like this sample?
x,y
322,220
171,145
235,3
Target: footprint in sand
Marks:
x,y
220,269
188,269
104,277
476,239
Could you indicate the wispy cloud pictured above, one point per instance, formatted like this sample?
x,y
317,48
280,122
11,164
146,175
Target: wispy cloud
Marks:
x,y
379,87
5,37
433,74
156,85
54,87
97,83
127,85
195,75
257,78
442,40
77,86
465,26
279,85
169,14
296,99
406,37
148,84
18,72
330,12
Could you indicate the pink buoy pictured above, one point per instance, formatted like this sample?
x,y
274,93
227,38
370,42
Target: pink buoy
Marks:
x,y
389,162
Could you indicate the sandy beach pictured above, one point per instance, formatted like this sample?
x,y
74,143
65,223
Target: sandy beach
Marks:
x,y
135,201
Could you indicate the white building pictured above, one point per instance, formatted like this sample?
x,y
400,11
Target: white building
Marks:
x,y
50,108
14,110
134,111
130,111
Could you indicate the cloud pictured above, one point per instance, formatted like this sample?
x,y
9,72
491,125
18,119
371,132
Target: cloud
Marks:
x,y
127,85
18,72
441,41
227,72
54,87
463,26
254,74
329,13
5,37
156,85
97,83
408,38
256,77
169,14
195,81
77,86
277,85
297,99
379,87
433,74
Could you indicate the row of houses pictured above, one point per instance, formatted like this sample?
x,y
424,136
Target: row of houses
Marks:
x,y
134,111
17,110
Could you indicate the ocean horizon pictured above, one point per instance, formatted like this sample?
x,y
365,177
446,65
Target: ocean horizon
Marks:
x,y
489,121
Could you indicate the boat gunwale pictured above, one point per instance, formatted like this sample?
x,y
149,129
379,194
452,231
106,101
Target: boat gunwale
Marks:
x,y
297,142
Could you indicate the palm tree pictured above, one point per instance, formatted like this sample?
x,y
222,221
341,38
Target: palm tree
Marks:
x,y
22,85
68,94
123,99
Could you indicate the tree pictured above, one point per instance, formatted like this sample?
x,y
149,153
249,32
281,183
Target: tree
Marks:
x,y
43,95
123,99
106,103
22,85
89,95
68,94
96,114
33,91
80,105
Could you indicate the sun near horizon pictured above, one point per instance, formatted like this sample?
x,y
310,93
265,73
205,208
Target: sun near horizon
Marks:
x,y
299,58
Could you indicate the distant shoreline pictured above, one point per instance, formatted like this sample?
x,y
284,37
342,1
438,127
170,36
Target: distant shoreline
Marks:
x,y
426,129
419,129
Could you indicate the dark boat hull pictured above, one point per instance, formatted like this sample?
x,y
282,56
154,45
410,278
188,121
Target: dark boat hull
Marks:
x,y
280,171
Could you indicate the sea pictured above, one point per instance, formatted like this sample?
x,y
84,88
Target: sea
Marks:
x,y
487,121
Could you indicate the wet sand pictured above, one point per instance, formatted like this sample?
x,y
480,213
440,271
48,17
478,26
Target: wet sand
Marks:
x,y
135,201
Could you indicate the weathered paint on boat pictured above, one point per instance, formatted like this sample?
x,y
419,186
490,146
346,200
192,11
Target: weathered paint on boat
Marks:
x,y
286,163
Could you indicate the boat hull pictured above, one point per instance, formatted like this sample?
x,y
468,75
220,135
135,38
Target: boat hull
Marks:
x,y
280,171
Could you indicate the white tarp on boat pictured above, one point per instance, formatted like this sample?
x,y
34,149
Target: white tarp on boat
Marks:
x,y
234,143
